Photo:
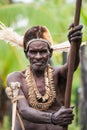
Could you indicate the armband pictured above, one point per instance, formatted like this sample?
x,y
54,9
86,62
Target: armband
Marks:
x,y
53,119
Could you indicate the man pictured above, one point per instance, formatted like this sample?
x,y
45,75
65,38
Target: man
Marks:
x,y
42,87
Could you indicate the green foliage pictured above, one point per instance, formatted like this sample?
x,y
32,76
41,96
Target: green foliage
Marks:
x,y
6,125
84,22
3,2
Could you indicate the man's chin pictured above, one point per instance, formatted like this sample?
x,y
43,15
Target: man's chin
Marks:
x,y
38,67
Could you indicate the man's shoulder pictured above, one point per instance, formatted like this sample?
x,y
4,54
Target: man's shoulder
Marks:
x,y
56,69
60,70
15,76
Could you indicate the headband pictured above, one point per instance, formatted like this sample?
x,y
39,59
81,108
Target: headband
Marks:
x,y
38,39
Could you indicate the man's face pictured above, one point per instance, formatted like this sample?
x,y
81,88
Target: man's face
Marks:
x,y
38,55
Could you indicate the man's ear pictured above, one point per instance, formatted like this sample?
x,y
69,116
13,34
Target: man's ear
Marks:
x,y
51,52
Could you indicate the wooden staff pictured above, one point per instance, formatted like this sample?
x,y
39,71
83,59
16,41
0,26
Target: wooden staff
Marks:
x,y
72,60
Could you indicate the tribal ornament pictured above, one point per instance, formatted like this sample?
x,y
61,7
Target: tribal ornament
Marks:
x,y
36,100
10,36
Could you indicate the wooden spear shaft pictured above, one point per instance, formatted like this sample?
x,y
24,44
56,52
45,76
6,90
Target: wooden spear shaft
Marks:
x,y
71,61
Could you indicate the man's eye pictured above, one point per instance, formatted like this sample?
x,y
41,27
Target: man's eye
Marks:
x,y
32,52
43,51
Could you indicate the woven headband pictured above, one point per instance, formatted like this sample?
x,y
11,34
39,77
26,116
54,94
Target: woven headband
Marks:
x,y
38,39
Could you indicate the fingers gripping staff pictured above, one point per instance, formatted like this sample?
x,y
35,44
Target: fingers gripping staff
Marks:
x,y
12,93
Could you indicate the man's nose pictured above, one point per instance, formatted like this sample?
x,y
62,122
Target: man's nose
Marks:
x,y
38,55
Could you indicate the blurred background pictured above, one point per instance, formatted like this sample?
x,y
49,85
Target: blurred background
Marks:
x,y
57,15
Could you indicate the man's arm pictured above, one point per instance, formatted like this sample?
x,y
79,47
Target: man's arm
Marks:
x,y
31,114
41,117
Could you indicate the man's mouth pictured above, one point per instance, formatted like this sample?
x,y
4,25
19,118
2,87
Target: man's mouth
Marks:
x,y
38,63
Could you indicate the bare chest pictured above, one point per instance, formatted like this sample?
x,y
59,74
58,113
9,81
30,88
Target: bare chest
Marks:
x,y
40,84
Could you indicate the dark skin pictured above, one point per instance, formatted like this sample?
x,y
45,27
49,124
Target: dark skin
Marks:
x,y
39,54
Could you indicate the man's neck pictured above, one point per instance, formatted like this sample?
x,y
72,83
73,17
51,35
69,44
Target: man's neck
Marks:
x,y
39,73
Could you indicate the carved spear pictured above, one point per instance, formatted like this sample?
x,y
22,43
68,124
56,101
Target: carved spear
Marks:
x,y
72,60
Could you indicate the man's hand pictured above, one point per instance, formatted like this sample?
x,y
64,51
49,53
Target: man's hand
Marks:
x,y
63,116
75,33
12,90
